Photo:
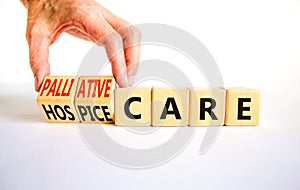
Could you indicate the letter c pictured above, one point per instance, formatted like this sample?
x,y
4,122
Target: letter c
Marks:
x,y
127,105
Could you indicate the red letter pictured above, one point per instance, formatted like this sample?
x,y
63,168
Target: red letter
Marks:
x,y
71,85
57,93
95,87
52,88
81,89
100,90
90,81
107,88
63,90
45,86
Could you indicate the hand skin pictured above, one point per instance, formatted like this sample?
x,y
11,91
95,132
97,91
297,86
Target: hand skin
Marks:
x,y
85,19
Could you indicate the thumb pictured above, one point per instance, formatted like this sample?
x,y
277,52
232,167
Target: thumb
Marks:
x,y
39,54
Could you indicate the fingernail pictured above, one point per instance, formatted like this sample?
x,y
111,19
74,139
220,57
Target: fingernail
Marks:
x,y
122,80
36,83
131,80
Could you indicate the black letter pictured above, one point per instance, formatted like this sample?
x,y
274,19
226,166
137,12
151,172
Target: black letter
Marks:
x,y
167,111
71,117
209,109
241,109
106,113
82,111
126,108
49,112
56,107
90,112
95,113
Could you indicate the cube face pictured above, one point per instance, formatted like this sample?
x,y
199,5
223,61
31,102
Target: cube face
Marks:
x,y
207,107
94,98
242,106
133,107
55,99
169,107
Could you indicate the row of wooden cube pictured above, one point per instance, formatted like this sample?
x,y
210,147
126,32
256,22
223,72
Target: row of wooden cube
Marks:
x,y
182,107
90,99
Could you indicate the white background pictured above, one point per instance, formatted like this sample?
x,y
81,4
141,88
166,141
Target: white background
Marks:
x,y
255,43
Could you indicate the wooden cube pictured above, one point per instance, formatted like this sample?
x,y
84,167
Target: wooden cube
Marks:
x,y
242,106
94,99
169,107
207,107
55,99
133,106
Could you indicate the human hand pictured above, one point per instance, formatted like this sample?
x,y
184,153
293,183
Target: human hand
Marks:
x,y
85,19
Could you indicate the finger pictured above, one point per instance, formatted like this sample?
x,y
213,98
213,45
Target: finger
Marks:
x,y
38,55
114,49
131,41
103,34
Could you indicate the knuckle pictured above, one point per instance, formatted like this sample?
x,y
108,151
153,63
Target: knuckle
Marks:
x,y
115,37
31,33
133,33
28,35
136,32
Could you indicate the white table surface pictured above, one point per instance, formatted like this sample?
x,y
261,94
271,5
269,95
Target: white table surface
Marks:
x,y
37,155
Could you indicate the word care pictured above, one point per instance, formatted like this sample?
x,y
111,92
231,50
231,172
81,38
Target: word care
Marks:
x,y
94,99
